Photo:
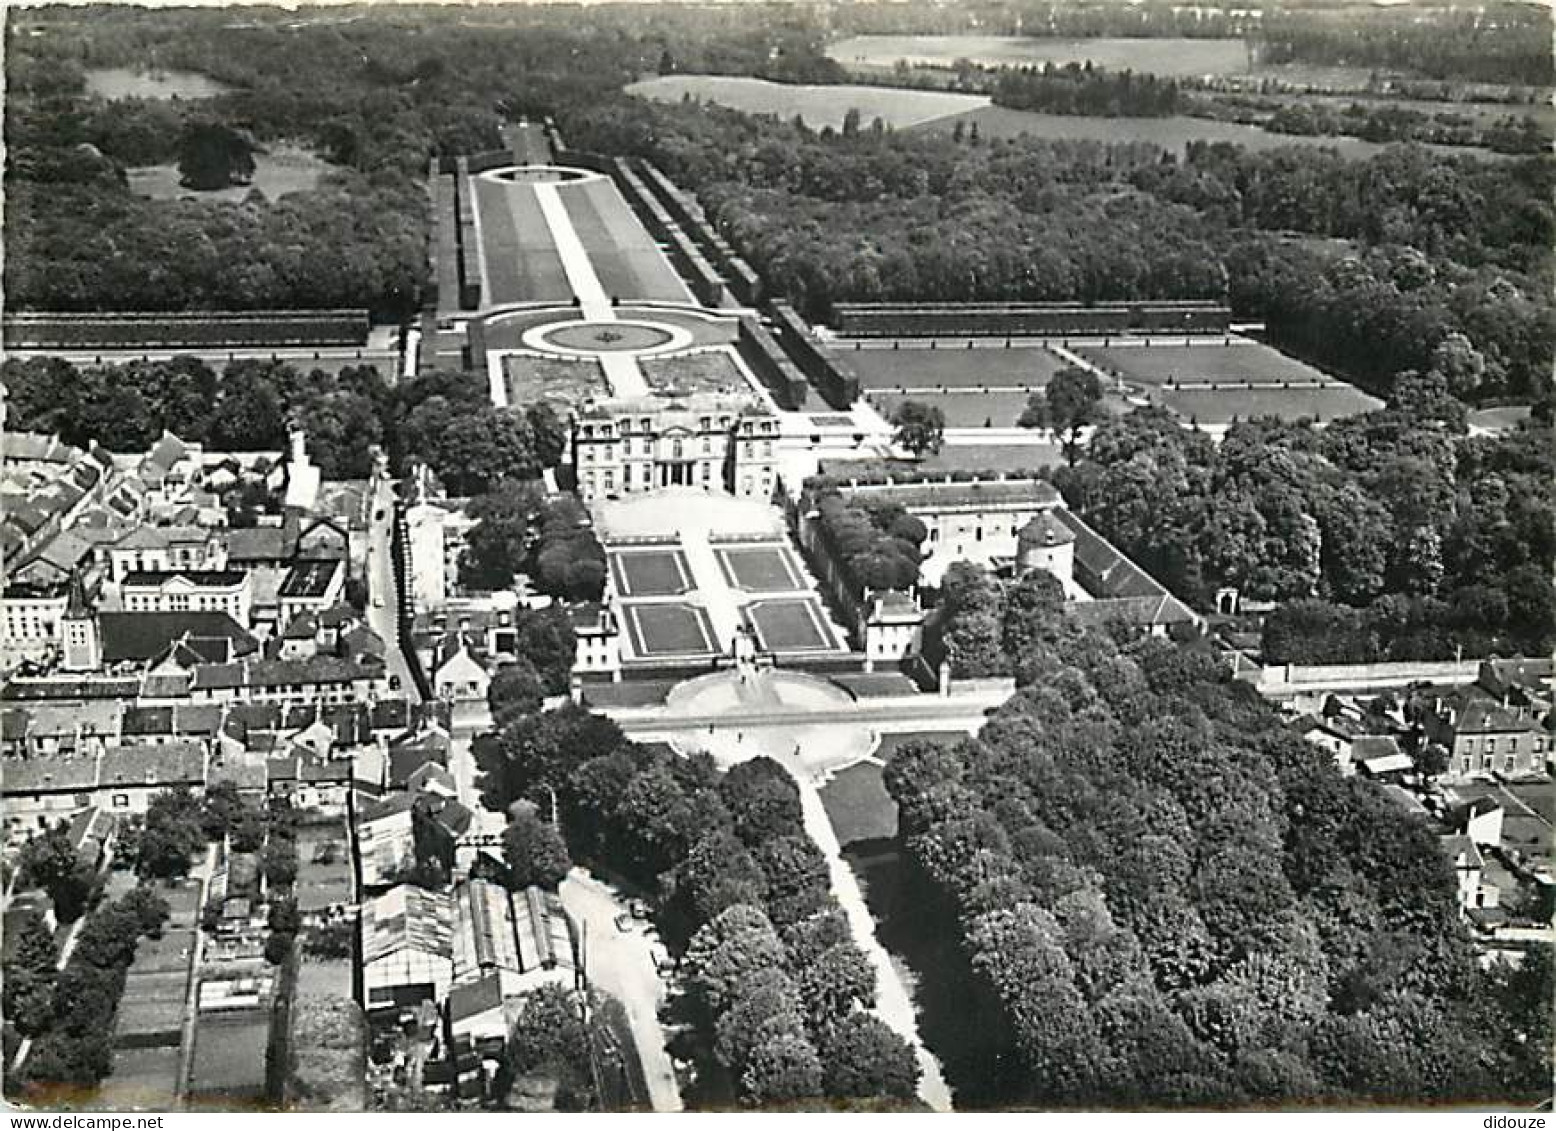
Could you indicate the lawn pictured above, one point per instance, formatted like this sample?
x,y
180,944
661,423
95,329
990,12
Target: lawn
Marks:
x,y
1242,361
151,1009
144,1079
281,170
323,867
953,366
858,805
229,1059
1221,406
760,569
790,625
650,573
712,371
625,257
668,630
522,264
818,105
962,410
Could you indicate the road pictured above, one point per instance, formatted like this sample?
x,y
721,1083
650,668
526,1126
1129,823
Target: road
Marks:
x,y
383,607
620,964
469,720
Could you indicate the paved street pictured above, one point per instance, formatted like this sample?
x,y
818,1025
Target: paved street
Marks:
x,y
383,594
620,964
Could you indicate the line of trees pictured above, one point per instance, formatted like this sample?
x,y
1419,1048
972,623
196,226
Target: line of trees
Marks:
x,y
1167,900
1081,88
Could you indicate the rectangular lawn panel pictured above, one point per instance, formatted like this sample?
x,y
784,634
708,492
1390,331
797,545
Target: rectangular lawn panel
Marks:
x,y
760,569
962,410
953,367
1241,361
1221,406
669,630
229,1057
522,263
566,383
625,257
650,573
792,625
858,805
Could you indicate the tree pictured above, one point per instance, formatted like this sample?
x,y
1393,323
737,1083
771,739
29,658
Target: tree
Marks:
x,y
767,1005
499,542
919,427
546,639
1070,401
783,1069
219,808
535,852
29,976
150,909
863,1058
550,432
839,979
762,799
550,1038
727,952
51,862
213,156
514,690
1034,616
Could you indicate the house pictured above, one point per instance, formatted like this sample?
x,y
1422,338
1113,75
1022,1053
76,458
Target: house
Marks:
x,y
271,545
1465,859
1332,735
130,776
30,617
410,752
441,825
159,591
43,791
213,637
165,549
320,679
478,1012
1485,736
311,586
598,636
310,781
407,948
458,671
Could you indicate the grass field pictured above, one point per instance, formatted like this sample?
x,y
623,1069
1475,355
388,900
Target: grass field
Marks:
x,y
142,1078
625,257
323,867
858,805
120,82
281,170
1158,365
531,379
962,410
229,1058
760,569
952,368
1221,406
713,371
668,630
1170,57
650,573
818,105
522,264
790,625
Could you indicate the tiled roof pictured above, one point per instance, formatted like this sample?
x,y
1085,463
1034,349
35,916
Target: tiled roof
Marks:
x,y
407,917
173,763
47,774
161,537
143,636
262,543
199,578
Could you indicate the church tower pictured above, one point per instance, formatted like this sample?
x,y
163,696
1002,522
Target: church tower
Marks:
x,y
83,639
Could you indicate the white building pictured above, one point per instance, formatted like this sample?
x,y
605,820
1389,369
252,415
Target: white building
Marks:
x,y
177,591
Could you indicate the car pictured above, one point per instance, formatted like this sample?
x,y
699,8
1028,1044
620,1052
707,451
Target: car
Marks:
x,y
638,908
378,515
378,600
662,960
624,922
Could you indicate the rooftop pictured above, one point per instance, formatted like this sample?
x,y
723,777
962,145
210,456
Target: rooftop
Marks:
x,y
144,636
198,578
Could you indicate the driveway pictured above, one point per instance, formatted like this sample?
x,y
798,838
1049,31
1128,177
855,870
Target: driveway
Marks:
x,y
620,964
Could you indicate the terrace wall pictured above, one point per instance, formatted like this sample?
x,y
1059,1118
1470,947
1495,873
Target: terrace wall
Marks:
x,y
744,282
833,377
978,319
700,275
447,267
204,329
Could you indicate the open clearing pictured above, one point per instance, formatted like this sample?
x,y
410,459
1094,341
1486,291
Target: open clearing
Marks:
x,y
121,82
280,170
818,105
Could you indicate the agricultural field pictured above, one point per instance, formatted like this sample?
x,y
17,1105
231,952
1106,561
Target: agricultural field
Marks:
x,y
1168,57
818,105
280,170
1241,361
624,256
522,264
952,366
121,82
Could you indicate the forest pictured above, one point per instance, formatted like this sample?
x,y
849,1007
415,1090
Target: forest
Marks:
x,y
1387,536
1166,899
1363,266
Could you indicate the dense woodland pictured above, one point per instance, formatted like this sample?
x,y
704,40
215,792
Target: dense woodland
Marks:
x,y
1365,266
1390,535
1167,899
